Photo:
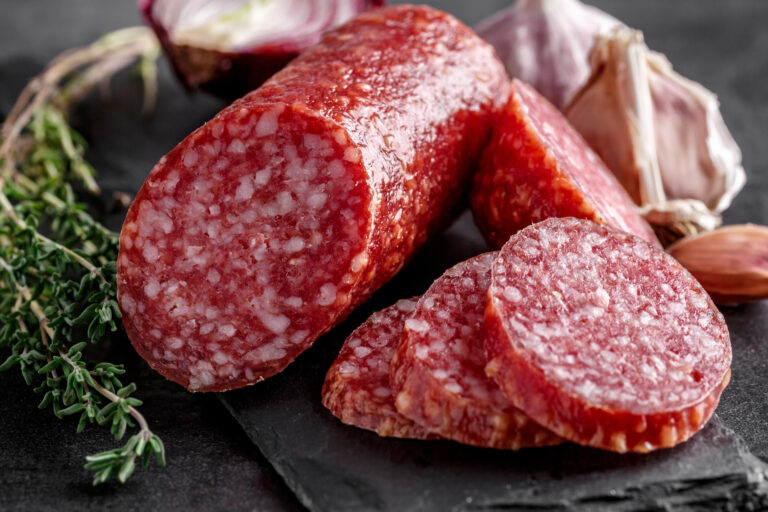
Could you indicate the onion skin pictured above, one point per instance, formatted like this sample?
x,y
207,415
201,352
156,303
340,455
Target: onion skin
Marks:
x,y
228,74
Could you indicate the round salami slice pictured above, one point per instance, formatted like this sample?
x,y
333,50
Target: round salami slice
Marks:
x,y
537,166
269,224
356,388
438,376
603,338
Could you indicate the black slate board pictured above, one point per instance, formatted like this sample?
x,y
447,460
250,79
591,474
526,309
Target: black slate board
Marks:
x,y
335,467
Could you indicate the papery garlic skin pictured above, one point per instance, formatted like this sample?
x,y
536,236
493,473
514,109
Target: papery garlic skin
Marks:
x,y
731,263
661,134
546,43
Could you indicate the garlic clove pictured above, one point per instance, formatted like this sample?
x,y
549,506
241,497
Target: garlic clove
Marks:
x,y
661,134
730,262
546,43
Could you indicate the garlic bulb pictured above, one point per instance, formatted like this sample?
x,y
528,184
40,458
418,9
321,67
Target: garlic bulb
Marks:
x,y
546,43
661,134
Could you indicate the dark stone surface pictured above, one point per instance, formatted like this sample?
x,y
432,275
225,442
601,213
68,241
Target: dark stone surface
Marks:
x,y
213,466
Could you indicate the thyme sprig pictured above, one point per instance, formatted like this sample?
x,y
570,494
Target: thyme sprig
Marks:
x,y
57,264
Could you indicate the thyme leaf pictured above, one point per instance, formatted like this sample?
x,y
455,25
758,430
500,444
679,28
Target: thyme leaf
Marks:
x,y
58,288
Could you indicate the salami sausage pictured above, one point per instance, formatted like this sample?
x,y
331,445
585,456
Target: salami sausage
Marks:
x,y
537,166
437,373
356,388
603,338
266,226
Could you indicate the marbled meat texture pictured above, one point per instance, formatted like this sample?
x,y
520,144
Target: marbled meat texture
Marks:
x,y
266,226
603,338
537,166
356,388
438,372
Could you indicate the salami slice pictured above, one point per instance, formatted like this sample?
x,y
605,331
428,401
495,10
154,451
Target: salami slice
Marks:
x,y
356,388
537,166
438,376
603,338
266,226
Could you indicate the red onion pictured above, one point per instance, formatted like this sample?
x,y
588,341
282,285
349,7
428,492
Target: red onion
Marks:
x,y
229,47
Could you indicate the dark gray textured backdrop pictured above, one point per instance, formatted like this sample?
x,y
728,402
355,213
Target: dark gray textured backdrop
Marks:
x,y
212,463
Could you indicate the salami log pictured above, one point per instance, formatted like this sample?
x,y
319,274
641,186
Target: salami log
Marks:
x,y
603,338
266,226
438,376
356,388
537,166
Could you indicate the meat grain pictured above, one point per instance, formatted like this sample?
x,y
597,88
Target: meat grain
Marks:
x,y
357,389
603,338
438,375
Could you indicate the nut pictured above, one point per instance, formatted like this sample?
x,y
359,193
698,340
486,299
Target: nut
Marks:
x,y
730,262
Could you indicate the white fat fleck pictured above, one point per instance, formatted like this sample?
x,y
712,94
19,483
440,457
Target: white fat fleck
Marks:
x,y
421,352
294,302
262,177
150,253
299,336
152,288
512,294
245,189
382,392
236,147
335,169
295,244
362,351
327,294
454,387
267,125
317,200
127,303
220,357
416,325
275,323
214,209
175,343
190,157
440,374
227,330
207,328
285,202
348,368
213,276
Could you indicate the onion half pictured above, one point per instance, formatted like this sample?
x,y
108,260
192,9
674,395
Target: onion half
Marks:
x,y
230,47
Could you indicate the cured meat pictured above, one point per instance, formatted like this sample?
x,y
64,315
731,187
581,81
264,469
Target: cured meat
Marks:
x,y
438,376
266,226
356,388
603,338
537,166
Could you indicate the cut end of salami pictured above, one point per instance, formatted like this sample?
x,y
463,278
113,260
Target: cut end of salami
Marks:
x,y
537,166
357,389
438,376
285,187
603,338
265,227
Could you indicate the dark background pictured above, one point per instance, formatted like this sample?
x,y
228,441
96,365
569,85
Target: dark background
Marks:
x,y
212,463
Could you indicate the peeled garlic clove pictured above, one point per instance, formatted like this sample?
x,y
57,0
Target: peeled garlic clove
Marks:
x,y
546,43
731,262
661,134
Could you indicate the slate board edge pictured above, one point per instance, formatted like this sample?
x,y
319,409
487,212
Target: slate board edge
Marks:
x,y
748,490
